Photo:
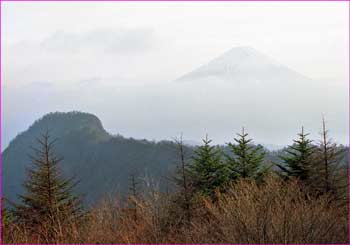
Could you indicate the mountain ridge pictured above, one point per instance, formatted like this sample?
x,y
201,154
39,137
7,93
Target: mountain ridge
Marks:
x,y
101,161
238,61
77,121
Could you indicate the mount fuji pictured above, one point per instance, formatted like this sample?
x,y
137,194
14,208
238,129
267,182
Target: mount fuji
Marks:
x,y
245,66
244,87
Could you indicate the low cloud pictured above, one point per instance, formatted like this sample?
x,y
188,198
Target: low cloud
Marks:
x,y
113,41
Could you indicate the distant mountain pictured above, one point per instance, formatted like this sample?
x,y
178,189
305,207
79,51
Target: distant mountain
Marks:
x,y
245,87
273,147
102,162
244,66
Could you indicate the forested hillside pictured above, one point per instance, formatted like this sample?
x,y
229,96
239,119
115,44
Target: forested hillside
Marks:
x,y
103,163
66,180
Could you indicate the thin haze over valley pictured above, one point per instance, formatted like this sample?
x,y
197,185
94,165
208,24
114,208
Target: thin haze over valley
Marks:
x,y
155,70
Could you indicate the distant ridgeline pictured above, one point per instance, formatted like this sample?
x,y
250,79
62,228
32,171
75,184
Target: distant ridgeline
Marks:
x,y
101,162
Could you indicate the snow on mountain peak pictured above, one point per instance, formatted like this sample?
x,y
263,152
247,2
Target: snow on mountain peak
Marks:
x,y
242,65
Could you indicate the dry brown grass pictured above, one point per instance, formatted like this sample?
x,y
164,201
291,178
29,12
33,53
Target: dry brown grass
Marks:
x,y
275,212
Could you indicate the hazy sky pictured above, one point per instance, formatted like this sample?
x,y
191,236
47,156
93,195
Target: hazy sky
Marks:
x,y
62,56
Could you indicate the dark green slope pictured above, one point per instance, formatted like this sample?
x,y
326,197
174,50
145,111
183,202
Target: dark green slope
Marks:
x,y
100,161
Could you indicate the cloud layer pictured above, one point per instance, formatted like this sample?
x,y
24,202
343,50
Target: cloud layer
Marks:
x,y
109,41
118,59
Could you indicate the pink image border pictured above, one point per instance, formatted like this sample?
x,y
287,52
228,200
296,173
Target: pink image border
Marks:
x,y
1,74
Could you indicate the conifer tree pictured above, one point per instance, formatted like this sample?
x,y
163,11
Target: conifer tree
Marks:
x,y
183,183
48,201
246,159
134,195
207,171
297,161
330,174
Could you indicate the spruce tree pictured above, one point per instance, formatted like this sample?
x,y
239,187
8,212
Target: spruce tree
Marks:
x,y
297,160
245,160
330,175
182,181
48,201
207,171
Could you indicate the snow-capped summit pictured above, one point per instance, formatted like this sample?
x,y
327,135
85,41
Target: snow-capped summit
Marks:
x,y
244,65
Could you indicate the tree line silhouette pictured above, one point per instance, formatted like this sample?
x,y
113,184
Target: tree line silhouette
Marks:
x,y
310,176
